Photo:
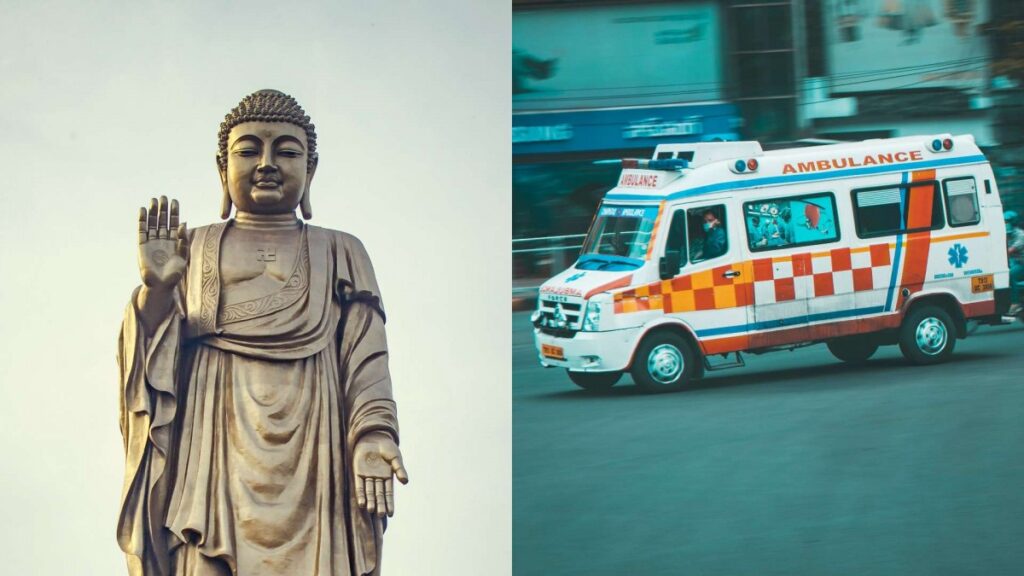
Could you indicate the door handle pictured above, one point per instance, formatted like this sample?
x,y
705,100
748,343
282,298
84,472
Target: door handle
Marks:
x,y
731,273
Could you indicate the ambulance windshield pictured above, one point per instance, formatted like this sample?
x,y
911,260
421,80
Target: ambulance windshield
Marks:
x,y
619,238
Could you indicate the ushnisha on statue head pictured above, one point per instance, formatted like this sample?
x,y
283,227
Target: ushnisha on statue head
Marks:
x,y
267,156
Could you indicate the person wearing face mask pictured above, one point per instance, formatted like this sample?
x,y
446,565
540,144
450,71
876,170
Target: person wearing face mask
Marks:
x,y
1015,255
714,236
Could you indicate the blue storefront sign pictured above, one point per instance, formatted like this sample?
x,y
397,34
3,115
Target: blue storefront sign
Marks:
x,y
622,128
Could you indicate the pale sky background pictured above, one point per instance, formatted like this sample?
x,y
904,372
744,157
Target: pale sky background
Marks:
x,y
103,105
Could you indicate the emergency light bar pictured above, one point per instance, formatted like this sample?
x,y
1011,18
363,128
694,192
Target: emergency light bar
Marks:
x,y
669,164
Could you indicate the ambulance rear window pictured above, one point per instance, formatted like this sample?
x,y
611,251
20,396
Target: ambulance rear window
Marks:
x,y
961,201
900,209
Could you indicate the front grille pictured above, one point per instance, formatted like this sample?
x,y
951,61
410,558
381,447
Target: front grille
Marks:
x,y
570,311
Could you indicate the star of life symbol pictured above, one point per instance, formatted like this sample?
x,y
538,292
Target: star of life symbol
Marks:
x,y
958,255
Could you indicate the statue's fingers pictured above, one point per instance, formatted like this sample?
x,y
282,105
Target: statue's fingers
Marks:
x,y
382,507
182,235
360,493
389,496
371,497
152,217
399,469
161,218
172,220
143,226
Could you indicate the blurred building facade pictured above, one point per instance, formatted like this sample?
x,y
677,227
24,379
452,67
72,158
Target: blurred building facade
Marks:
x,y
596,80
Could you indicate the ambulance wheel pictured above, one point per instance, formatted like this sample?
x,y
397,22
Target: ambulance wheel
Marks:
x,y
927,335
852,349
664,362
594,380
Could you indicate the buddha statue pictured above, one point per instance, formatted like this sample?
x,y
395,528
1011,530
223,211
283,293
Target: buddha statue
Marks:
x,y
260,433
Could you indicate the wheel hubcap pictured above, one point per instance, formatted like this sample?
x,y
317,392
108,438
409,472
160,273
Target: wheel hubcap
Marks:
x,y
665,363
931,336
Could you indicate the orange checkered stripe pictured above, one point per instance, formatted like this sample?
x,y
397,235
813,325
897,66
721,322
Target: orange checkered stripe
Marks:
x,y
705,290
823,273
820,272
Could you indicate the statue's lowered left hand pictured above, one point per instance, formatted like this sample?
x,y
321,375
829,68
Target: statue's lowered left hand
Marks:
x,y
375,460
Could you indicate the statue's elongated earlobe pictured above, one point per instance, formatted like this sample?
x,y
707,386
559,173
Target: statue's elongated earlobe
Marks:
x,y
225,206
304,205
225,203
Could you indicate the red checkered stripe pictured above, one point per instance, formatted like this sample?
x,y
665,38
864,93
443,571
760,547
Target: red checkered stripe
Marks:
x,y
766,280
841,270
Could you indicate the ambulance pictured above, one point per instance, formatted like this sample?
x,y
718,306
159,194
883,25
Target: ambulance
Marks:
x,y
707,251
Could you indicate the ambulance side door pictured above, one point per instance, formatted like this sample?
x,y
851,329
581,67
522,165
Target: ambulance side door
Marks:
x,y
707,291
781,265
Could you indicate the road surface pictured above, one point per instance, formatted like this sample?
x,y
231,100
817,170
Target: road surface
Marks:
x,y
795,464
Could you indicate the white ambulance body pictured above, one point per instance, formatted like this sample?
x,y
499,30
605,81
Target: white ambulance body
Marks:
x,y
894,241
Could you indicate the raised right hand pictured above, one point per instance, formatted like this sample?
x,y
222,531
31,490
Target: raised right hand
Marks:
x,y
163,245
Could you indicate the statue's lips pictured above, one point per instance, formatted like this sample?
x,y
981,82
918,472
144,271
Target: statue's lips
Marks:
x,y
268,184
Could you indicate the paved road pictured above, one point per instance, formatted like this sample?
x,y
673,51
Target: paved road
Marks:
x,y
796,464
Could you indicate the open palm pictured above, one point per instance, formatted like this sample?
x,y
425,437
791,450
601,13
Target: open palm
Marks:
x,y
163,244
376,459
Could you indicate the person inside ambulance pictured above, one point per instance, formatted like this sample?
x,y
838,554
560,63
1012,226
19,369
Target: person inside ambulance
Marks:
x,y
714,236
755,231
1015,255
786,226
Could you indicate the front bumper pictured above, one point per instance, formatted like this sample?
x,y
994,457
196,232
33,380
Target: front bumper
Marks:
x,y
609,351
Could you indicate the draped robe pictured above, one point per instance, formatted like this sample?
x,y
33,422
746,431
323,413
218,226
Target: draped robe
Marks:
x,y
239,418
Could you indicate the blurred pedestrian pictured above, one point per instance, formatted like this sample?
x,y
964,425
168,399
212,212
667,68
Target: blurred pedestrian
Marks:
x,y
1015,256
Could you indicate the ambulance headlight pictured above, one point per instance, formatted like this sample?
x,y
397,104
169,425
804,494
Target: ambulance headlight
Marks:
x,y
592,318
535,317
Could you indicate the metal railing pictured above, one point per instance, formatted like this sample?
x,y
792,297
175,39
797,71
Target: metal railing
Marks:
x,y
542,257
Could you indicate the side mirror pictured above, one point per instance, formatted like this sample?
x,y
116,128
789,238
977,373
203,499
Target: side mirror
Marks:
x,y
668,266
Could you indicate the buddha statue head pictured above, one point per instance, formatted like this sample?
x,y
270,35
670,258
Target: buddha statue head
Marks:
x,y
266,156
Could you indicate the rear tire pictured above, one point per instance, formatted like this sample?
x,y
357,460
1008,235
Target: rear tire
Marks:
x,y
594,380
664,362
852,349
927,335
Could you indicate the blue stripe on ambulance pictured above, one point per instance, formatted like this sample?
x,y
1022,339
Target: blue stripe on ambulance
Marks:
x,y
783,322
899,242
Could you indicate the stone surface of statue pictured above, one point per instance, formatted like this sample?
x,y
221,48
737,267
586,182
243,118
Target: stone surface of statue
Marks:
x,y
260,433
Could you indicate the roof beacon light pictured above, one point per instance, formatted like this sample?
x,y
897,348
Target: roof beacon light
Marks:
x,y
941,145
744,166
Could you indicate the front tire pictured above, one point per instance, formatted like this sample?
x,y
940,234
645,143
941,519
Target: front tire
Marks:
x,y
852,349
664,362
927,335
594,380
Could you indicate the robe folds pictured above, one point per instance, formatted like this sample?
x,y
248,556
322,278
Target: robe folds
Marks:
x,y
239,418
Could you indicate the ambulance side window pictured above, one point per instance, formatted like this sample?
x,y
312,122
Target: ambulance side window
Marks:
x,y
786,222
706,228
961,201
677,236
889,210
